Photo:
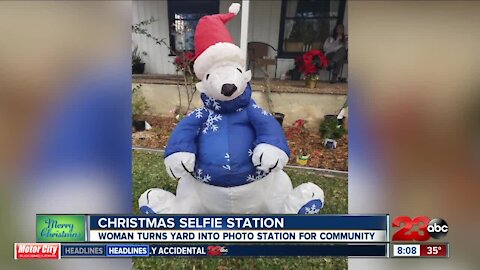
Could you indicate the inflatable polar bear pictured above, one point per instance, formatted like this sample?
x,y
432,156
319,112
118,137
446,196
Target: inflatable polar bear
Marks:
x,y
228,156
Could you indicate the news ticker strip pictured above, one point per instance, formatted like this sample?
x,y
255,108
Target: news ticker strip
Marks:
x,y
70,250
208,229
432,250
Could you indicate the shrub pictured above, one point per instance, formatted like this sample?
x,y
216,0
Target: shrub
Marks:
x,y
139,103
330,129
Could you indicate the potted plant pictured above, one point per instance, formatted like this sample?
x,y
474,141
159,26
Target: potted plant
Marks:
x,y
331,131
303,159
139,106
138,67
313,62
311,80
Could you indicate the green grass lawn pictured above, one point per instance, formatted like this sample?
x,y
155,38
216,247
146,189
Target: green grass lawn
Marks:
x,y
149,171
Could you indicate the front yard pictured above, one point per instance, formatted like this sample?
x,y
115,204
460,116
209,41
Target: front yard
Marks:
x,y
320,157
149,171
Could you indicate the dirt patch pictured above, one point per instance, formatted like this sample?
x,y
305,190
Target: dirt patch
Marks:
x,y
158,136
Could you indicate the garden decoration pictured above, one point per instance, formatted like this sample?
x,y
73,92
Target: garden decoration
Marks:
x,y
303,160
228,156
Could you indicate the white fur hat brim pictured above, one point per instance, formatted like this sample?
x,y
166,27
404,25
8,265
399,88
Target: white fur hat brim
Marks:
x,y
222,51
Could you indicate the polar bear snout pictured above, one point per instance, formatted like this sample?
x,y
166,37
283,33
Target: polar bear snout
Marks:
x,y
228,89
224,81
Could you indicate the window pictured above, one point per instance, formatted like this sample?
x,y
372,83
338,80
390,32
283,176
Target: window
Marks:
x,y
183,17
305,24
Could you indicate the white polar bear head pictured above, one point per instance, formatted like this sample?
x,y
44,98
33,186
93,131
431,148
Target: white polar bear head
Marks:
x,y
225,80
219,63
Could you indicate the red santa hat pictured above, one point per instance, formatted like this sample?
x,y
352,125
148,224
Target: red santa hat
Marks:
x,y
213,42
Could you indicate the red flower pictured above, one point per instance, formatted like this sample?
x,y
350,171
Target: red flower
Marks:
x,y
184,60
313,62
178,61
299,123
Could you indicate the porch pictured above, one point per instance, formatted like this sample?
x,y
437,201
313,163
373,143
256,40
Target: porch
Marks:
x,y
290,28
291,98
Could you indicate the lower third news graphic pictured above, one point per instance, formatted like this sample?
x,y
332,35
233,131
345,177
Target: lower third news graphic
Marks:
x,y
107,236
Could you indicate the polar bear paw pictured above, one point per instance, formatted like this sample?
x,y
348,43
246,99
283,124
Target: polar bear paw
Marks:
x,y
155,201
267,158
307,198
180,164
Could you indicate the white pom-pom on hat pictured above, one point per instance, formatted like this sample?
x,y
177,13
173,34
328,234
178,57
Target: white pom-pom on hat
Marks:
x,y
234,8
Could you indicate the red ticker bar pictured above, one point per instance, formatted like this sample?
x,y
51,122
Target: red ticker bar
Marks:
x,y
434,250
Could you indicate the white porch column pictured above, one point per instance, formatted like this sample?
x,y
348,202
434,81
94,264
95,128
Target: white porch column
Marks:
x,y
244,28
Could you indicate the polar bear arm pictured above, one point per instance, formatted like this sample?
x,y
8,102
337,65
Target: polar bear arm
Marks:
x,y
183,137
267,128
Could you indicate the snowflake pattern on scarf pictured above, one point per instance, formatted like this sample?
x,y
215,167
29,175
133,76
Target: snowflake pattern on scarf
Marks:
x,y
214,103
260,108
198,112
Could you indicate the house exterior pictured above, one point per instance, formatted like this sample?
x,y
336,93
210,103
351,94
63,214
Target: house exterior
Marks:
x,y
291,27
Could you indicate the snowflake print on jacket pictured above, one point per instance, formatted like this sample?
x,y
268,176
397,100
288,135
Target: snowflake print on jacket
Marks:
x,y
226,129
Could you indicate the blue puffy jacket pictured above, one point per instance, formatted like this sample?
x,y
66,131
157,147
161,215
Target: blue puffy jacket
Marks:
x,y
223,135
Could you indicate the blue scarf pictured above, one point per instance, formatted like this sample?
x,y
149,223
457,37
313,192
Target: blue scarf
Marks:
x,y
229,106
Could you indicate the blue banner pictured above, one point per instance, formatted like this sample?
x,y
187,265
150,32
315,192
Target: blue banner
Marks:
x,y
218,250
270,250
122,250
271,222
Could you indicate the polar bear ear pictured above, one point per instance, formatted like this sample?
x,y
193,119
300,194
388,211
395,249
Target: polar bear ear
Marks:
x,y
248,75
199,86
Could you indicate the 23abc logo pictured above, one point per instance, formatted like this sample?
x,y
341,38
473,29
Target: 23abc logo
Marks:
x,y
436,228
216,250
